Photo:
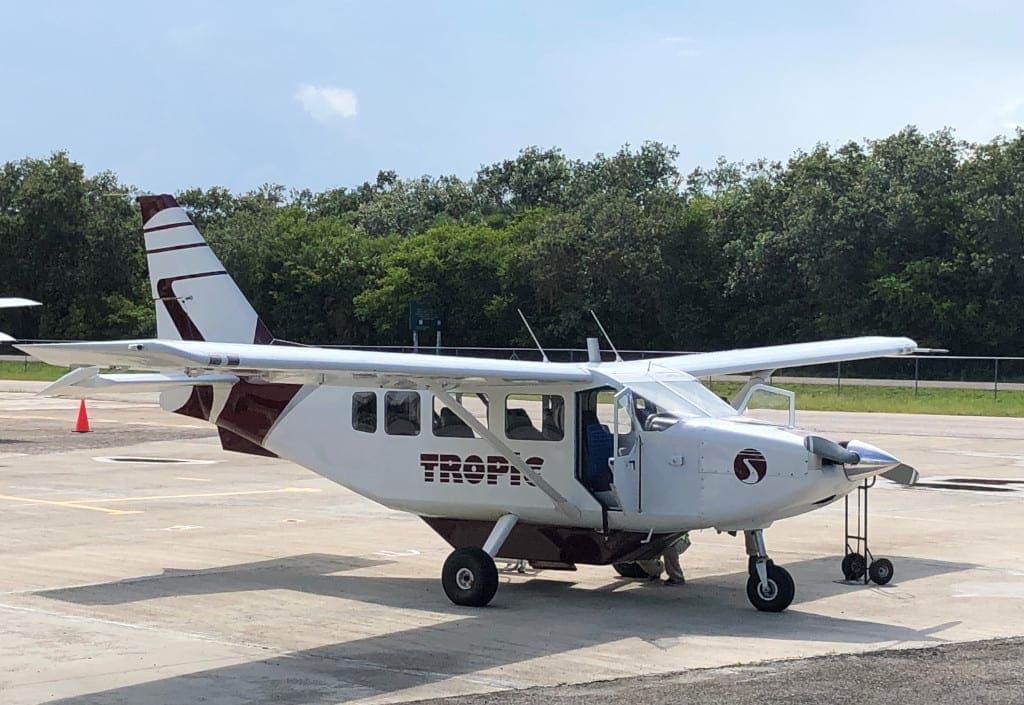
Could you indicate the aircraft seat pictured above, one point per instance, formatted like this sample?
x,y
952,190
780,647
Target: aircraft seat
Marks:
x,y
451,426
599,450
519,427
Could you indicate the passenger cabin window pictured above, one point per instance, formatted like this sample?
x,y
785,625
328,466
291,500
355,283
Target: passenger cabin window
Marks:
x,y
364,411
402,413
534,417
446,422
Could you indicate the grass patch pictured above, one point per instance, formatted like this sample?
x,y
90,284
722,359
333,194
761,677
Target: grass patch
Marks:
x,y
896,400
31,371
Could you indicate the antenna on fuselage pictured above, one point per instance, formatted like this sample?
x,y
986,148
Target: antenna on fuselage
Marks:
x,y
544,355
618,358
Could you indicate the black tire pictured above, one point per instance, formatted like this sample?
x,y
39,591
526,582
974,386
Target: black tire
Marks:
x,y
881,571
469,577
781,590
629,570
633,570
854,566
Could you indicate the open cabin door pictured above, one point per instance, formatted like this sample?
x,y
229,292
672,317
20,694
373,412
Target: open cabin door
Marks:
x,y
625,460
608,461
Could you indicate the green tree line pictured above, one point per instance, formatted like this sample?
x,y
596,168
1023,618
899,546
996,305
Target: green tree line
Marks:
x,y
913,234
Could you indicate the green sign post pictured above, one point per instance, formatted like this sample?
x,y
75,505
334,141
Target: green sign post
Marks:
x,y
422,320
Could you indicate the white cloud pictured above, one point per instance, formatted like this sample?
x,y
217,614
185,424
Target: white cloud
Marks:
x,y
326,104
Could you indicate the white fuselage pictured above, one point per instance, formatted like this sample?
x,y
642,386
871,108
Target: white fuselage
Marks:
x,y
687,476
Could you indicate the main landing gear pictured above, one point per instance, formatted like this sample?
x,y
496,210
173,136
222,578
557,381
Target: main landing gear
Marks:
x,y
469,576
769,587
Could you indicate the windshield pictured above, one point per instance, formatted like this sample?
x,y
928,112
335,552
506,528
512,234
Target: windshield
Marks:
x,y
685,398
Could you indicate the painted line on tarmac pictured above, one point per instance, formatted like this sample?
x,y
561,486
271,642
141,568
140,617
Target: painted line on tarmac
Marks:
x,y
88,503
152,498
67,505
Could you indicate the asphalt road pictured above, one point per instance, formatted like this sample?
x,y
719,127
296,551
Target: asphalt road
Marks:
x,y
986,672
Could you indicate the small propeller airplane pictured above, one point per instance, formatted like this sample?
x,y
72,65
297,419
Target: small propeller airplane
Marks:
x,y
14,303
556,464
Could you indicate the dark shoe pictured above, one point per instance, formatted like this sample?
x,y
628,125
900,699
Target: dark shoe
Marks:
x,y
674,581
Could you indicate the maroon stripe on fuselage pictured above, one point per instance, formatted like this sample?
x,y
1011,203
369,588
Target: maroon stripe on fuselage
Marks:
x,y
558,544
155,228
187,329
158,250
237,444
252,409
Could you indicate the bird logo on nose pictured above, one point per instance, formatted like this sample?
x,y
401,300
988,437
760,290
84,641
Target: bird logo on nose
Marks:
x,y
750,466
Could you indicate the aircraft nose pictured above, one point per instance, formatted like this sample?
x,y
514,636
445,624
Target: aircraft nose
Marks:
x,y
873,461
861,460
871,454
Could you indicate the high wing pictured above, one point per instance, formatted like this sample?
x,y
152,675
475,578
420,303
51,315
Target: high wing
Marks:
x,y
778,357
282,363
181,362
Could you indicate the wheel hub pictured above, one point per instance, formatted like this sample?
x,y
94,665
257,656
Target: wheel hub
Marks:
x,y
768,591
465,579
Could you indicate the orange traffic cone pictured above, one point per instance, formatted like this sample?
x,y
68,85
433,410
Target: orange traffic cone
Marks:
x,y
82,425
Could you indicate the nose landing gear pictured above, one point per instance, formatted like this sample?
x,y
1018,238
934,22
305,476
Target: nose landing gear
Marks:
x,y
770,588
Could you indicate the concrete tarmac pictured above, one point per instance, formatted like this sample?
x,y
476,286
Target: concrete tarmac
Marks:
x,y
216,577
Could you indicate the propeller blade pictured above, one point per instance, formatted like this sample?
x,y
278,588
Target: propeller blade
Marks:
x,y
902,475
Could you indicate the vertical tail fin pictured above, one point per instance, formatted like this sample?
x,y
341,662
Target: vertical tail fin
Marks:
x,y
195,298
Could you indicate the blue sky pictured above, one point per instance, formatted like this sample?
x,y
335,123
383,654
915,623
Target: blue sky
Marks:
x,y
324,94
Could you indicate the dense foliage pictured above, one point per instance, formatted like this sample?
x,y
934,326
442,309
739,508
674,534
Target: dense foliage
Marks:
x,y
914,234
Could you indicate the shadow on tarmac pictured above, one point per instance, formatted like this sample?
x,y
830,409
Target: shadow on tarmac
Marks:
x,y
531,617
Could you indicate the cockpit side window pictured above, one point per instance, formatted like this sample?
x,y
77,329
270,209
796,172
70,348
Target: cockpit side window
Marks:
x,y
650,416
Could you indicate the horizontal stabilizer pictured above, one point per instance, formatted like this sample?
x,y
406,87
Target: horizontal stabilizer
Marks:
x,y
87,381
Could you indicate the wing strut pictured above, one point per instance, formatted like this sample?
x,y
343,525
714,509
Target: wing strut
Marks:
x,y
561,503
